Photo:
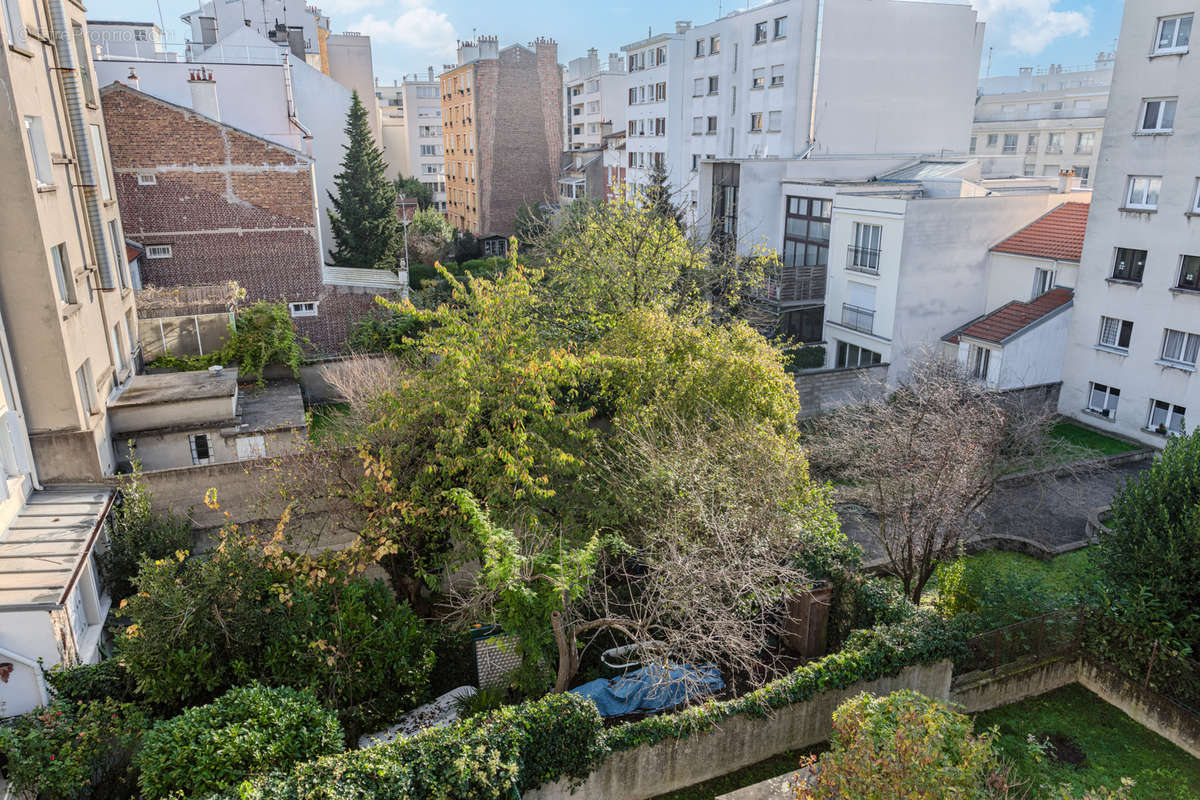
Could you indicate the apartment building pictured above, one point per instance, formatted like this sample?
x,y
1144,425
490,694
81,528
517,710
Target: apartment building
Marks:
x,y
502,126
411,118
135,40
1135,336
300,28
654,97
1043,120
66,350
593,96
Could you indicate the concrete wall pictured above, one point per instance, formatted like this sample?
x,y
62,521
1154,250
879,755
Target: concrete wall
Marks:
x,y
824,390
981,691
1036,357
172,450
652,770
1148,709
350,65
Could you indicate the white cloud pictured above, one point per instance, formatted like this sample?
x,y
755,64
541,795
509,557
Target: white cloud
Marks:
x,y
417,26
1030,26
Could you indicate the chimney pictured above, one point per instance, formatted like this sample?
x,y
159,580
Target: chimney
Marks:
x,y
431,73
204,93
1066,180
683,26
133,79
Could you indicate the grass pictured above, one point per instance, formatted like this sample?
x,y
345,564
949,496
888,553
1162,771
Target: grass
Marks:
x,y
1114,745
1087,439
773,767
322,419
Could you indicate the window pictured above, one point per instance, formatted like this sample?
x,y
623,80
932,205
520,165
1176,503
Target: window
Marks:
x,y
1031,143
777,75
756,122
775,121
698,87
1166,418
1196,205
1033,108
712,84
1173,34
63,278
697,125
695,162
993,139
1054,143
1085,143
714,45
120,259
426,92
660,56
1103,400
759,78
83,56
780,27
660,91
699,48
760,33
1028,169
806,245
1130,264
430,169
36,137
1180,348
201,448
1043,281
147,180
1084,173
660,126
864,253
1143,192
1115,333
712,125
1058,106
973,146
851,355
1158,116
158,251
1010,143
979,358
101,162
1189,273
118,349
429,150
83,382
13,24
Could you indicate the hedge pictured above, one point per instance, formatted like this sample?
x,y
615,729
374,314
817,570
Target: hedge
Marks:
x,y
498,755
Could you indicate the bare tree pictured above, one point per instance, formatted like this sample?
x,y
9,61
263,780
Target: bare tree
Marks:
x,y
925,458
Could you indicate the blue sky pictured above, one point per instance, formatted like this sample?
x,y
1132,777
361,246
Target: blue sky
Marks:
x,y
409,35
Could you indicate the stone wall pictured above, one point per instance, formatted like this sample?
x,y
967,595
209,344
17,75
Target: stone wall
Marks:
x,y
824,390
983,690
652,770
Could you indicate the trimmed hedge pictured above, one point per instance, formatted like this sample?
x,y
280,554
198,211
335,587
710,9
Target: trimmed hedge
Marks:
x,y
868,655
510,750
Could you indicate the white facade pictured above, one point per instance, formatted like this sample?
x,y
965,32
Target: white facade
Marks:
x,y
594,93
654,98
1042,121
349,62
1141,257
295,25
129,40
410,113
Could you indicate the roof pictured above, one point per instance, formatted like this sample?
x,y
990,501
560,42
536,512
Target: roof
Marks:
x,y
44,547
367,278
276,405
1057,235
174,387
1009,321
924,170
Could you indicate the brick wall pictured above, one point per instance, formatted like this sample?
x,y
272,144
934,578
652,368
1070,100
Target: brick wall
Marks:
x,y
232,207
827,389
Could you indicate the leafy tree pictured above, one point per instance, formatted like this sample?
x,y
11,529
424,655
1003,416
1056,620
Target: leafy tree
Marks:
x,y
657,196
414,189
365,225
532,223
429,237
466,247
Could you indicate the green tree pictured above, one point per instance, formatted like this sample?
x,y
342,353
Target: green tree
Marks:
x,y
413,189
531,225
365,225
658,198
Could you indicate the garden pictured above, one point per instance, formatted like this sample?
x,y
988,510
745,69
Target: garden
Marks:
x,y
594,453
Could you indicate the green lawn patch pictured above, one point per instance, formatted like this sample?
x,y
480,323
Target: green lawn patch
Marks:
x,y
1113,746
773,767
1088,439
322,419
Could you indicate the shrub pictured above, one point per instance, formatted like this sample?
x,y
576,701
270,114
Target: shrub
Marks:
x,y
105,680
384,331
248,730
498,755
901,747
137,533
73,750
263,335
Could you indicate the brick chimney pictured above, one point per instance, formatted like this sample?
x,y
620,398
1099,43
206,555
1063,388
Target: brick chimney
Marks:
x,y
204,93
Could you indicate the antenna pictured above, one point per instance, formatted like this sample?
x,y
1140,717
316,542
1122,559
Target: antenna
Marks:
x,y
162,24
988,74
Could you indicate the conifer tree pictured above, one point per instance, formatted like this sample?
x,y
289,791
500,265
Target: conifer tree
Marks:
x,y
365,225
657,196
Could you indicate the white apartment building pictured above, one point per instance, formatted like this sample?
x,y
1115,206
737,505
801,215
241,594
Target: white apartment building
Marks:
x,y
593,94
411,123
132,40
1043,120
299,27
1135,337
654,99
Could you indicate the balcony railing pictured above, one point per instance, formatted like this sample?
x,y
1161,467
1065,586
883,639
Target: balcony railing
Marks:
x,y
862,259
858,319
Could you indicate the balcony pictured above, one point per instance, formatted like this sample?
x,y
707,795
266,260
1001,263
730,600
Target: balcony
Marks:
x,y
858,319
862,259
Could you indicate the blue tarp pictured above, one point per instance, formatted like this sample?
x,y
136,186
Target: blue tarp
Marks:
x,y
651,689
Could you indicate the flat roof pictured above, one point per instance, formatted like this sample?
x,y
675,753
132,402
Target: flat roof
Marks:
x,y
174,387
276,405
44,548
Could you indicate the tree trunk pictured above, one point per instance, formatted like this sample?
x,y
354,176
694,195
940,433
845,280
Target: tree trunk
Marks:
x,y
568,658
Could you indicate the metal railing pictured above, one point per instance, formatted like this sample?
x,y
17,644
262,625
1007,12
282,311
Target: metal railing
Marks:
x,y
1056,634
858,319
863,259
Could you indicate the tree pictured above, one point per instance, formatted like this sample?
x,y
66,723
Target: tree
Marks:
x,y
429,236
924,460
658,199
531,225
363,217
413,189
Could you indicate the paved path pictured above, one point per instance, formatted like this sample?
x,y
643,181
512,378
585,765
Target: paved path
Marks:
x,y
1052,512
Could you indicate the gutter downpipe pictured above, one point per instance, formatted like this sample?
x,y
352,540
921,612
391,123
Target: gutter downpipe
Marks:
x,y
43,692
812,116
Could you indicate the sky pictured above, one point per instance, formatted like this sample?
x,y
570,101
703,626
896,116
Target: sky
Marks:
x,y
410,35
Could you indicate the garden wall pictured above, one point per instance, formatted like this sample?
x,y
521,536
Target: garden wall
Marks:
x,y
824,390
739,741
1149,709
1012,683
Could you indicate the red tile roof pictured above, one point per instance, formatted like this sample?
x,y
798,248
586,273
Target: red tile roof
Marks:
x,y
1008,320
1057,235
131,253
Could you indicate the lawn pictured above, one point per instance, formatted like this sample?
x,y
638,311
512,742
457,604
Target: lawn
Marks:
x,y
1113,746
1088,439
746,776
322,418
